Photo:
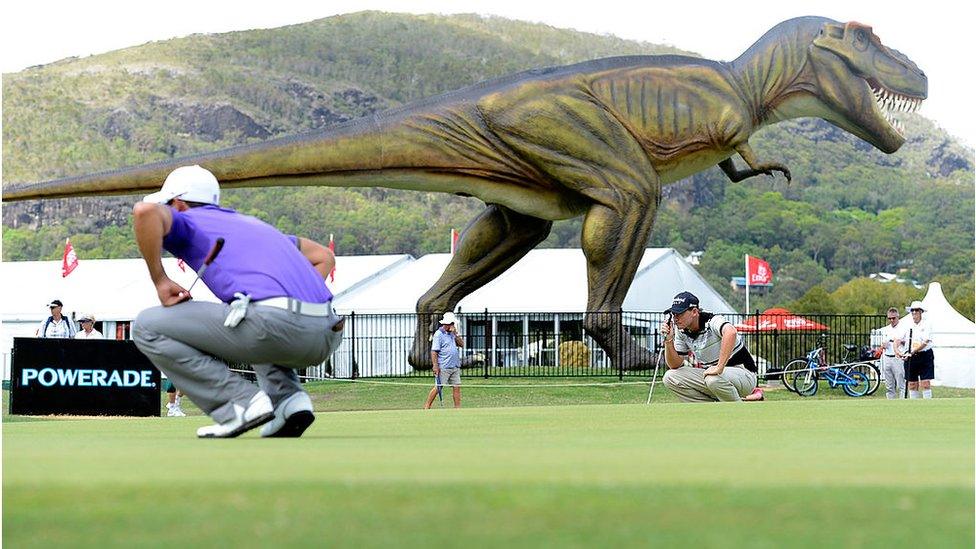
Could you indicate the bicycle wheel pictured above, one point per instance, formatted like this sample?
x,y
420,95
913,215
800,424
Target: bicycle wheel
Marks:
x,y
858,386
790,370
871,372
805,382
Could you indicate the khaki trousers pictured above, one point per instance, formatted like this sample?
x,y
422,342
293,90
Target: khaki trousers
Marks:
x,y
691,384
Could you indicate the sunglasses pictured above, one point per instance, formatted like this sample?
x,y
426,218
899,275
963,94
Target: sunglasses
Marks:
x,y
916,310
892,318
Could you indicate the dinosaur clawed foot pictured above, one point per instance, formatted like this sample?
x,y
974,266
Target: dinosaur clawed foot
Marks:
x,y
768,169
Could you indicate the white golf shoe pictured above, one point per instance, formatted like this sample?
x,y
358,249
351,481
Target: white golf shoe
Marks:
x,y
291,417
258,412
174,410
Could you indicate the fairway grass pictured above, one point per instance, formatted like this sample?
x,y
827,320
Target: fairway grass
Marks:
x,y
850,473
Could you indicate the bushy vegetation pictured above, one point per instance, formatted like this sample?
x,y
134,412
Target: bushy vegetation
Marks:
x,y
850,210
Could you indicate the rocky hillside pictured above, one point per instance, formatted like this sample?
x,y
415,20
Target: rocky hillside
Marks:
x,y
206,92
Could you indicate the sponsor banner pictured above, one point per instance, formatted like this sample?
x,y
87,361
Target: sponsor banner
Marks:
x,y
82,377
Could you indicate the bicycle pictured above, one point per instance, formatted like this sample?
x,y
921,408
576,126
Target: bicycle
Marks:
x,y
855,384
816,361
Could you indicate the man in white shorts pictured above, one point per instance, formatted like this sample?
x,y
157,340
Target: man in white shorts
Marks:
x,y
707,359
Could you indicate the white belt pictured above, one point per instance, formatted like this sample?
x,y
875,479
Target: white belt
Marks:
x,y
296,306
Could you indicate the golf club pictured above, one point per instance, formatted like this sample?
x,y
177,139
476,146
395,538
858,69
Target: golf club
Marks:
x,y
908,362
440,389
218,245
660,356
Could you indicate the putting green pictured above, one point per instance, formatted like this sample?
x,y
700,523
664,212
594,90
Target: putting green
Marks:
x,y
799,473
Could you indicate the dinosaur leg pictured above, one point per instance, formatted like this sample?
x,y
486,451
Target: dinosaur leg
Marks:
x,y
614,243
490,244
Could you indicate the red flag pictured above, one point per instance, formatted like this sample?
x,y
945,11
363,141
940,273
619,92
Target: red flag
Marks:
x,y
454,240
332,247
69,261
758,271
180,264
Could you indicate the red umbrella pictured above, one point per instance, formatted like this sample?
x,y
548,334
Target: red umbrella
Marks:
x,y
778,319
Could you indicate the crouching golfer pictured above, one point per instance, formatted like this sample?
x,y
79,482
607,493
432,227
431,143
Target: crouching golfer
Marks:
x,y
720,369
277,312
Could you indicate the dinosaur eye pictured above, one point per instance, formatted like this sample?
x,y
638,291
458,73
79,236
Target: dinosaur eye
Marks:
x,y
860,40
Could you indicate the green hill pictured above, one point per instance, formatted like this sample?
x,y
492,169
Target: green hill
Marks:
x,y
850,210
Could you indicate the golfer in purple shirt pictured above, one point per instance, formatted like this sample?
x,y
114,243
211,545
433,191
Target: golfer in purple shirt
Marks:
x,y
277,313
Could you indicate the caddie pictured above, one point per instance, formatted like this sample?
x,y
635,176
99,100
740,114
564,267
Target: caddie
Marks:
x,y
706,357
276,313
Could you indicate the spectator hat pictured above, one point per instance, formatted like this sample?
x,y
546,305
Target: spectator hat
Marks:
x,y
449,318
188,183
917,305
55,303
682,302
87,317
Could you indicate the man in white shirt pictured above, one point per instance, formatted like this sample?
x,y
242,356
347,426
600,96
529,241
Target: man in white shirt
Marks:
x,y
919,359
56,325
88,330
892,367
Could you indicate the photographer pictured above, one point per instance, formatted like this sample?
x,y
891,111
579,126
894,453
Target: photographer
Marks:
x,y
707,359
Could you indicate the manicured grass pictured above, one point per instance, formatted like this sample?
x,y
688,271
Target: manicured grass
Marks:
x,y
838,472
477,392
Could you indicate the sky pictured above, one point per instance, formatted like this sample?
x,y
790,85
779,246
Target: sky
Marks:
x,y
41,31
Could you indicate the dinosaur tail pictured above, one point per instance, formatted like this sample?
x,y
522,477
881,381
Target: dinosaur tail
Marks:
x,y
407,147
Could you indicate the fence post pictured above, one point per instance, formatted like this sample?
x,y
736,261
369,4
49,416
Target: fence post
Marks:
x,y
620,343
486,332
353,367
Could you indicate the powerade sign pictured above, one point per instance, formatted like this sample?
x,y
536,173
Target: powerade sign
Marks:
x,y
49,377
82,377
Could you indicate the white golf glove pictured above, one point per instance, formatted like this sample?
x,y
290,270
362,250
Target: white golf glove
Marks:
x,y
238,309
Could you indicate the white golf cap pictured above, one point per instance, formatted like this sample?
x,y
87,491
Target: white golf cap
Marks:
x,y
917,305
449,318
189,183
86,317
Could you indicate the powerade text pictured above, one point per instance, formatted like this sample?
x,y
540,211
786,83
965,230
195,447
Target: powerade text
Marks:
x,y
49,377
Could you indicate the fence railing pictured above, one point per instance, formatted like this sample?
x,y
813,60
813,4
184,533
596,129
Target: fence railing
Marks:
x,y
556,345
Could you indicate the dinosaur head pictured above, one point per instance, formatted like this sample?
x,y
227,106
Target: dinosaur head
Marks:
x,y
864,83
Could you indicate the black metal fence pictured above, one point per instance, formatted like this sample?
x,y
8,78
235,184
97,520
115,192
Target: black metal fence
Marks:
x,y
556,344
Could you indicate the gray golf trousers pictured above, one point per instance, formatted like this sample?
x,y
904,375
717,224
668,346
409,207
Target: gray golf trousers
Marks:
x,y
191,345
691,385
893,373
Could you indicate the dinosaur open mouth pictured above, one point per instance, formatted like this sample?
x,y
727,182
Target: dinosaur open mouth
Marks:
x,y
891,102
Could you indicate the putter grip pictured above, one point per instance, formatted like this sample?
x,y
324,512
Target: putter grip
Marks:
x,y
219,245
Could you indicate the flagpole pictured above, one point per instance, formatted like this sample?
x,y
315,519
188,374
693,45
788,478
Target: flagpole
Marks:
x,y
747,284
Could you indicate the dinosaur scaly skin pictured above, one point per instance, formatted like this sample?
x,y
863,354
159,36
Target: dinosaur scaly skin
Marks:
x,y
596,139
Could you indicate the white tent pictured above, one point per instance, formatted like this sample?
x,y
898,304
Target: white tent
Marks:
x,y
545,280
953,340
116,290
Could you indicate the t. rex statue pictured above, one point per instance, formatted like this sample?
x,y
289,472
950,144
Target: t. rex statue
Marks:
x,y
596,139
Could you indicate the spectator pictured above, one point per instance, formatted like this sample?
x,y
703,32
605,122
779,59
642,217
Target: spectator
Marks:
x,y
88,330
56,325
174,397
445,354
723,369
919,358
892,367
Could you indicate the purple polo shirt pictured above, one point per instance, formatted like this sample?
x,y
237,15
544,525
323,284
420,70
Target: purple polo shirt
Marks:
x,y
257,259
